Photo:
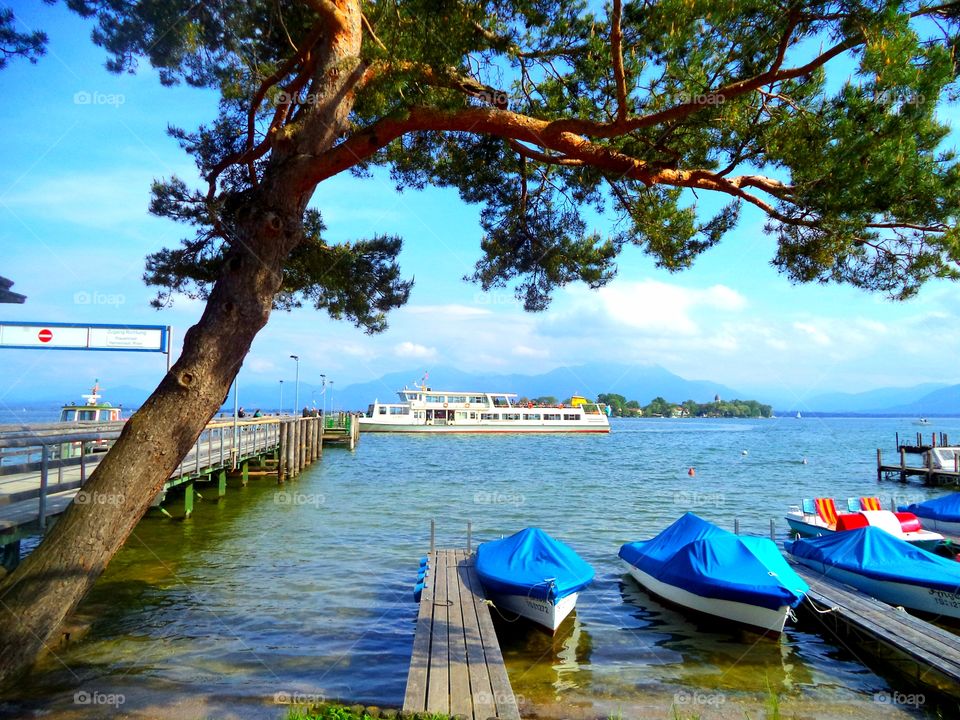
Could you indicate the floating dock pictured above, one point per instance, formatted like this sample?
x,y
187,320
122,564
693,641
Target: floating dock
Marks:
x,y
457,668
924,654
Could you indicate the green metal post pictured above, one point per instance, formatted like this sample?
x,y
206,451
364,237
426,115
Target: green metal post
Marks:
x,y
188,499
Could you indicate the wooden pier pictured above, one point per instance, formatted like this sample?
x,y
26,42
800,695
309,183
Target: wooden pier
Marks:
x,y
928,474
457,667
44,466
924,654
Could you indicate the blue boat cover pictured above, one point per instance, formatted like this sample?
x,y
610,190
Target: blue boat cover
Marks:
x,y
877,554
532,563
697,556
946,508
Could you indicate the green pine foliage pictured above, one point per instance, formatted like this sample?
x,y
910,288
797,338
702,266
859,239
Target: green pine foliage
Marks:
x,y
824,114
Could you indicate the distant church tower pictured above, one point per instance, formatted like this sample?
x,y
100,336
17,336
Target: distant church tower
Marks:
x,y
716,398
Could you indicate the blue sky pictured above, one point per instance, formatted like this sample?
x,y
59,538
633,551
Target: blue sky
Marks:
x,y
81,147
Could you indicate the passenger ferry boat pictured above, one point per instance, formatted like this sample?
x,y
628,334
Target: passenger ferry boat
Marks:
x,y
92,410
423,410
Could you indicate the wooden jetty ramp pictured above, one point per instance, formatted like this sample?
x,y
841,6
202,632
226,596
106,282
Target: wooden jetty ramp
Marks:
x,y
921,652
457,667
44,466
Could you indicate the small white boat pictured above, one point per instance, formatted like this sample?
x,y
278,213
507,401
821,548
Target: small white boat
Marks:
x,y
819,516
886,568
698,566
423,410
533,575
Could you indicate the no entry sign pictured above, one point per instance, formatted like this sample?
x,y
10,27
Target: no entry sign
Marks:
x,y
45,335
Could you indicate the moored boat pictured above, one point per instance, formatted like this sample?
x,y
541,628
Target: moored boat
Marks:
x,y
533,575
886,568
697,565
819,516
941,514
423,410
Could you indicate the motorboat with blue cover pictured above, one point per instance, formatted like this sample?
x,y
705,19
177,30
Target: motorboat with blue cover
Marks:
x,y
941,514
886,568
698,566
533,575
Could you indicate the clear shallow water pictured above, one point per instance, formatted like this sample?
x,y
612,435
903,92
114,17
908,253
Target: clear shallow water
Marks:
x,y
309,591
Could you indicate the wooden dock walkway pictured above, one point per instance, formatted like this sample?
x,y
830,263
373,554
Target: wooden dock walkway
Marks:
x,y
45,465
922,652
457,667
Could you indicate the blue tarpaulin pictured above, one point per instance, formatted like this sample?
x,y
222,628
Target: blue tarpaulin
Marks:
x,y
697,556
877,554
532,563
946,508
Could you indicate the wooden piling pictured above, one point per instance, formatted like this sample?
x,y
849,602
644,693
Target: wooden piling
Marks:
x,y
281,451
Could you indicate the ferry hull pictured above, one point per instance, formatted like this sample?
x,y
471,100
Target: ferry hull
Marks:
x,y
767,621
489,429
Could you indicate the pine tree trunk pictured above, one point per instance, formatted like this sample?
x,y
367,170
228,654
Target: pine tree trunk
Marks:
x,y
37,597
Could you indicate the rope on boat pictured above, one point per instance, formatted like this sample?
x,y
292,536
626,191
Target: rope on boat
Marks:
x,y
818,610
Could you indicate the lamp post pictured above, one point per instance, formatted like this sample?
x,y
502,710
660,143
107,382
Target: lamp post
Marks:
x,y
331,397
323,395
281,397
296,395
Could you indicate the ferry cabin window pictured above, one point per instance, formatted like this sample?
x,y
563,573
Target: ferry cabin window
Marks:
x,y
473,416
511,416
531,416
489,416
383,410
551,416
456,398
87,415
399,410
68,416
478,400
568,416
435,399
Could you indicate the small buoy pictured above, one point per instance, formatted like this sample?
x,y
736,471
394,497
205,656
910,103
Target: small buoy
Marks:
x,y
691,472
744,452
804,461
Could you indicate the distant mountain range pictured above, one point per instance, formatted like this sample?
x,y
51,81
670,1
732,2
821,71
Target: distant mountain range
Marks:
x,y
641,383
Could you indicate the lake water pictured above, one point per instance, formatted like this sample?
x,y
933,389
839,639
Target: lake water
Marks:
x,y
305,589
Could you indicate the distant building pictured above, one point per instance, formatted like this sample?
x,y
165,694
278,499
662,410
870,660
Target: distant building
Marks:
x,y
716,398
9,297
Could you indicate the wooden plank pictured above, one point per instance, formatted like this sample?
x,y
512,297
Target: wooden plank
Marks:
x,y
930,646
415,698
461,701
502,693
438,682
481,692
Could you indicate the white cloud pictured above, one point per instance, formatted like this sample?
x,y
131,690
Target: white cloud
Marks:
x,y
529,352
813,333
409,349
447,310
